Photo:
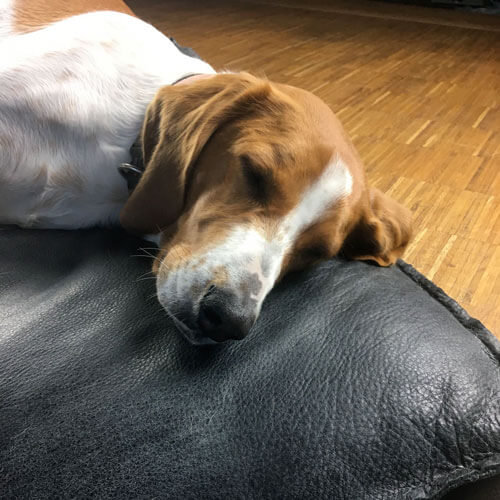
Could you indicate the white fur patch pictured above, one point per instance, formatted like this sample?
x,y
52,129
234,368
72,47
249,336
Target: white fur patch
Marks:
x,y
72,101
335,183
238,258
6,9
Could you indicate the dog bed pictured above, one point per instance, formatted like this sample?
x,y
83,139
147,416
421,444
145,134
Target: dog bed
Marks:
x,y
356,382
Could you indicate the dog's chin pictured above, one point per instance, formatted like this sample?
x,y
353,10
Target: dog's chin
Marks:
x,y
193,337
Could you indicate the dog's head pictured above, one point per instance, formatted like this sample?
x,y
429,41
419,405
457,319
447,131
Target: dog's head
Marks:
x,y
247,180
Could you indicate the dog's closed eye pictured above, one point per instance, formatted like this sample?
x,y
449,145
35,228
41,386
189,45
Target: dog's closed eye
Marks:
x,y
259,180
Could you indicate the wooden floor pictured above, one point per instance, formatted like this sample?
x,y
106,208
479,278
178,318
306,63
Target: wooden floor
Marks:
x,y
420,99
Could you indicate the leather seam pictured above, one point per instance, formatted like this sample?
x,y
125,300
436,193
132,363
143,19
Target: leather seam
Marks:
x,y
468,475
490,343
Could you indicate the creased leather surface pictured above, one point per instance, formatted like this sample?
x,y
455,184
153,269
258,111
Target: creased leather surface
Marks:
x,y
355,383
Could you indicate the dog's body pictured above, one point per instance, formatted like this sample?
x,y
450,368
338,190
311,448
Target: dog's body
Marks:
x,y
73,96
244,179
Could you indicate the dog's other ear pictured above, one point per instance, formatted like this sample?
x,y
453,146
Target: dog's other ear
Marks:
x,y
381,233
178,123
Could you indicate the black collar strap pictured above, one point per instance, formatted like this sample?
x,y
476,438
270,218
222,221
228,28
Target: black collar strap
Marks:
x,y
131,174
185,78
132,171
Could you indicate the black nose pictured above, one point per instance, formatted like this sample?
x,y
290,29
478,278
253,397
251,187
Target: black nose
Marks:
x,y
222,317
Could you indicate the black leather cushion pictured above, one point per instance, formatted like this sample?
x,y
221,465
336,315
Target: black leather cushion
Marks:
x,y
357,382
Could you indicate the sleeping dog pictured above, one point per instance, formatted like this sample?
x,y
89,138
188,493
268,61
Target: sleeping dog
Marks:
x,y
240,179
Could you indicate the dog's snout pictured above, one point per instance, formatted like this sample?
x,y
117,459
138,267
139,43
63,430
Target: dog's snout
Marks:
x,y
221,317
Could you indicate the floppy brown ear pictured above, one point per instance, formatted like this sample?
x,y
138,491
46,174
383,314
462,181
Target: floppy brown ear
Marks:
x,y
381,233
178,123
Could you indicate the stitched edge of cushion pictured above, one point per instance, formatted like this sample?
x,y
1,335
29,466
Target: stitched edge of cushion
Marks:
x,y
491,466
484,469
471,324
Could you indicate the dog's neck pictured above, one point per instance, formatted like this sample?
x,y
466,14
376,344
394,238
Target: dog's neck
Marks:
x,y
133,170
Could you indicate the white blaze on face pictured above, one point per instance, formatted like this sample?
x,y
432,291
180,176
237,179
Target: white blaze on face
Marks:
x,y
251,261
334,184
239,262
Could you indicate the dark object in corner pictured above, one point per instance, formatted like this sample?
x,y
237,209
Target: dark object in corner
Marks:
x,y
450,4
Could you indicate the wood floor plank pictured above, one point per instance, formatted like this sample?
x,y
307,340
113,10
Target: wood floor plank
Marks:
x,y
417,89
